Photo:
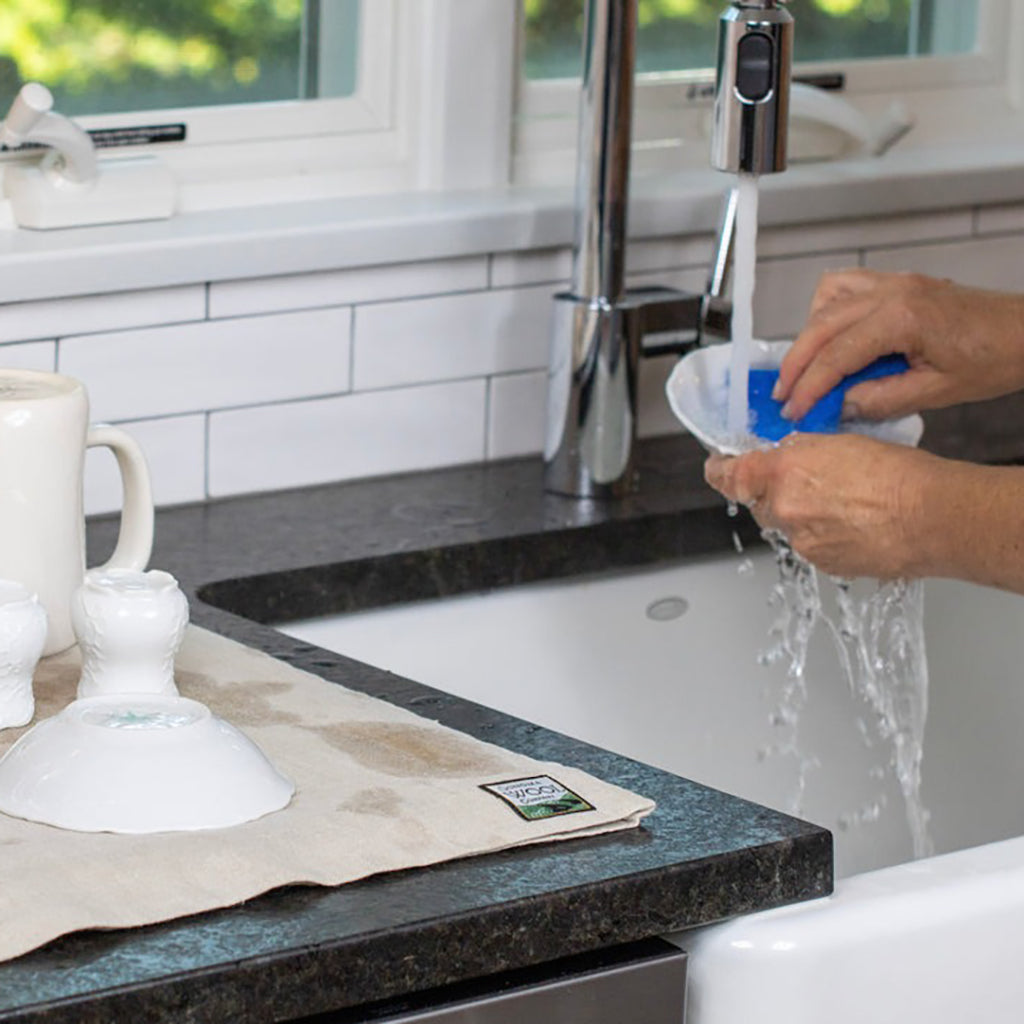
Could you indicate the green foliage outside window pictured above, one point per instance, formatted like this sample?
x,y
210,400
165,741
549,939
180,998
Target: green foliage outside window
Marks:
x,y
674,34
115,55
102,55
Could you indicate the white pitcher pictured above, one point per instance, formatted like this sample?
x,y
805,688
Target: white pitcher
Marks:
x,y
44,432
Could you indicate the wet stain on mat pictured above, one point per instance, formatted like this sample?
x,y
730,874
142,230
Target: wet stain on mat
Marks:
x,y
410,750
241,703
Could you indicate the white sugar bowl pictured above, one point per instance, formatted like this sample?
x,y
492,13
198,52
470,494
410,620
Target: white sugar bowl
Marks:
x,y
129,625
22,635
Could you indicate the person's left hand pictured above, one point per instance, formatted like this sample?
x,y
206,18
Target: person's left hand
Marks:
x,y
850,505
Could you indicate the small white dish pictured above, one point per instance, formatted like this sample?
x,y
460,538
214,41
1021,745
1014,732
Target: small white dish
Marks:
x,y
698,391
139,764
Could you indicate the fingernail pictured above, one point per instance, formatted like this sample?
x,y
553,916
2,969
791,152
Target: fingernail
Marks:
x,y
787,411
777,390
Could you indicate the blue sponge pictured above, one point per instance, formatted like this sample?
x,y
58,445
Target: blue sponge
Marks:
x,y
823,418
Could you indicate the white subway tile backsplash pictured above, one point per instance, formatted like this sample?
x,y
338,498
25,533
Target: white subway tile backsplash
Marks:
x,y
192,367
246,385
1000,219
533,266
516,414
175,450
863,234
553,266
668,253
355,435
21,321
346,287
981,263
785,288
692,279
452,336
655,415
31,355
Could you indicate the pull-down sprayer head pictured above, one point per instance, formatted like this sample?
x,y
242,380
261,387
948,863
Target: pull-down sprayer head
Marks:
x,y
755,56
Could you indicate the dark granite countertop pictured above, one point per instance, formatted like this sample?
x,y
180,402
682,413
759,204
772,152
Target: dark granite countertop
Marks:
x,y
300,951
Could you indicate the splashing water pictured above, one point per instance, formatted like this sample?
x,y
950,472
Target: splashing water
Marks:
x,y
880,643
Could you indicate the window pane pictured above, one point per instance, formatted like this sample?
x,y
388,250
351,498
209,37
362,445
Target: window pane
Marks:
x,y
105,56
678,34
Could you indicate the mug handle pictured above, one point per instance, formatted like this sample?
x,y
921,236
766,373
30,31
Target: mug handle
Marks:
x,y
135,540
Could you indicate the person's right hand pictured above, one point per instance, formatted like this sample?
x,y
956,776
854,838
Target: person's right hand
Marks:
x,y
963,344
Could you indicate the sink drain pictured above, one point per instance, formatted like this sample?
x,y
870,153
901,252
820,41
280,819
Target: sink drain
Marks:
x,y
665,609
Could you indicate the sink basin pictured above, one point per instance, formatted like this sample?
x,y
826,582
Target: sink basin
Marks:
x,y
662,665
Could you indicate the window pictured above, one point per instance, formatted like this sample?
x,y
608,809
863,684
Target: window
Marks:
x,y
112,56
299,99
674,35
944,57
281,98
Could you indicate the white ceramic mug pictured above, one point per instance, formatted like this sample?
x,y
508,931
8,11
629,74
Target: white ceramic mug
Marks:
x,y
44,432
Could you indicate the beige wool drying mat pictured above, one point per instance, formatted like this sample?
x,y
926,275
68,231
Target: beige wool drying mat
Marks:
x,y
378,789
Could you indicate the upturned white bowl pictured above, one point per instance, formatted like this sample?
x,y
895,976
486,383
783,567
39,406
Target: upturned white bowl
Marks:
x,y
698,392
138,764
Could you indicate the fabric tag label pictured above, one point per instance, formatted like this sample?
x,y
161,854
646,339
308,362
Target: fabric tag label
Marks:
x,y
538,798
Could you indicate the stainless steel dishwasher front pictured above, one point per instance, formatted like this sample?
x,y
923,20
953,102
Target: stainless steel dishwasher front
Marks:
x,y
642,983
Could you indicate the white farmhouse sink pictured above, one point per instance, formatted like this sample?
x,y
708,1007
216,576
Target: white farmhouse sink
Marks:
x,y
933,940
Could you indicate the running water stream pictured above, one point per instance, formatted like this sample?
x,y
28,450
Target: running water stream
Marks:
x,y
744,269
879,638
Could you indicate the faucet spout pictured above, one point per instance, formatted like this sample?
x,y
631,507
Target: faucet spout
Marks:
x,y
599,326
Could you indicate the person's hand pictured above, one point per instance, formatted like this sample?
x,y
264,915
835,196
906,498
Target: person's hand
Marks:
x,y
963,344
850,505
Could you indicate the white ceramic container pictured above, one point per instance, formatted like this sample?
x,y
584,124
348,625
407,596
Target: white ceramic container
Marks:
x,y
129,626
138,764
44,432
22,635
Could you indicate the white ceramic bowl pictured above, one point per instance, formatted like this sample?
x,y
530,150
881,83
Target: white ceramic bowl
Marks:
x,y
138,764
698,394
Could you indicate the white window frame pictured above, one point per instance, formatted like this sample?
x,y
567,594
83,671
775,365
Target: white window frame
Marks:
x,y
440,106
431,110
672,109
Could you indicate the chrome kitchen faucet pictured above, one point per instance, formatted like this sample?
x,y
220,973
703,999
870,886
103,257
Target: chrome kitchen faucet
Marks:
x,y
600,325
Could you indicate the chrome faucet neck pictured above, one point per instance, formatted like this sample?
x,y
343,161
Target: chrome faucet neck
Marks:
x,y
605,130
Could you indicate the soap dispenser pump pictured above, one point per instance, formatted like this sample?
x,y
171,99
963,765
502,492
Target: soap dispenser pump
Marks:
x,y
69,187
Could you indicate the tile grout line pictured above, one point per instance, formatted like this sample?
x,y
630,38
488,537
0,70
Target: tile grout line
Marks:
x,y
487,418
352,349
207,417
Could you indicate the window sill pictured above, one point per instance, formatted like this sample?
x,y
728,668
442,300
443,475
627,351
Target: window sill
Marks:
x,y
324,234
